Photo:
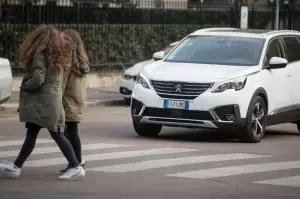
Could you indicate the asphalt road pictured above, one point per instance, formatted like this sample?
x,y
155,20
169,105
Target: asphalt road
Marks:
x,y
180,163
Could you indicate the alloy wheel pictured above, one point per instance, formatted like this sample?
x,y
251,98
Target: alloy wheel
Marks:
x,y
258,119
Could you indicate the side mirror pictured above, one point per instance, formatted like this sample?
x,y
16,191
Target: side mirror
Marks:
x,y
158,55
277,62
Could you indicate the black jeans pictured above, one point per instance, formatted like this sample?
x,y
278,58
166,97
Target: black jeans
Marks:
x,y
71,133
30,141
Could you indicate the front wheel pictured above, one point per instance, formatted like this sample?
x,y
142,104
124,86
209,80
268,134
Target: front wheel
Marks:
x,y
298,126
147,130
255,127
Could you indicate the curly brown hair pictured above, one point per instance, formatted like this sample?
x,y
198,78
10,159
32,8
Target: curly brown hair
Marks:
x,y
49,41
75,36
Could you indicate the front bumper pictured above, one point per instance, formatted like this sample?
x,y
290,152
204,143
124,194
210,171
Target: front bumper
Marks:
x,y
126,87
147,107
191,119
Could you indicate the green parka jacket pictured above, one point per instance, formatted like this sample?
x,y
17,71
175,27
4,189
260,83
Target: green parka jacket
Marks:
x,y
41,96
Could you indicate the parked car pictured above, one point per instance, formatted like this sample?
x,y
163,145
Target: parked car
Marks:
x,y
235,80
128,77
6,80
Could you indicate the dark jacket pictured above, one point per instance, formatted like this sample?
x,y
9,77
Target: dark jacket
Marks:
x,y
41,96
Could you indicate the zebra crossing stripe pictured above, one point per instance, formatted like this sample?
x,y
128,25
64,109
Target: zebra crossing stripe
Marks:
x,y
237,170
293,181
47,150
153,164
109,156
20,142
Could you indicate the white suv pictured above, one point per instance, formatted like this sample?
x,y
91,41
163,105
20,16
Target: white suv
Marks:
x,y
237,80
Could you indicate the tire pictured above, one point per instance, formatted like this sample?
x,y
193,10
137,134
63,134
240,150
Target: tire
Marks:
x,y
298,126
127,101
147,130
255,127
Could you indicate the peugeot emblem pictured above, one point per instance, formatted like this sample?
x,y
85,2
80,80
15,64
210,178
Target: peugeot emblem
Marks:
x,y
178,88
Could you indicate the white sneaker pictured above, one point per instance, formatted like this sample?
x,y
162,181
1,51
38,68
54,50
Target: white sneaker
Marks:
x,y
62,171
76,173
9,170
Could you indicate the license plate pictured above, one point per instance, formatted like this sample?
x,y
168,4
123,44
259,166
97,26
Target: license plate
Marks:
x,y
176,104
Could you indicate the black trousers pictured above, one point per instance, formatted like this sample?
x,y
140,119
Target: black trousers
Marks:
x,y
71,132
30,141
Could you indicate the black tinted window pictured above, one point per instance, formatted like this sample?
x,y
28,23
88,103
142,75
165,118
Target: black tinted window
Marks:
x,y
293,48
274,50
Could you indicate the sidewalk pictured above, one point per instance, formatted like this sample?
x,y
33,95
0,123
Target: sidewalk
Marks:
x,y
95,97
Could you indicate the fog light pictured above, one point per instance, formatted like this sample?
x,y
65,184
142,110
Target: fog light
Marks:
x,y
230,117
134,111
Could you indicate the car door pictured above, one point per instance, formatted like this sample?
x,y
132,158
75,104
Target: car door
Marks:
x,y
276,81
292,50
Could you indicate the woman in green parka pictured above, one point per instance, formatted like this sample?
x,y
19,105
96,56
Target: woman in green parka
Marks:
x,y
44,54
74,95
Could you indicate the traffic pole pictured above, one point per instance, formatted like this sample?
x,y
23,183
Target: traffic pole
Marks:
x,y
277,15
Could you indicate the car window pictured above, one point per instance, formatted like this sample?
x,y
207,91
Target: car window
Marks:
x,y
274,50
292,48
230,50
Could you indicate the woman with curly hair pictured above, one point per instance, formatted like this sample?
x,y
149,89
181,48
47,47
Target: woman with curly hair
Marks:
x,y
45,55
74,95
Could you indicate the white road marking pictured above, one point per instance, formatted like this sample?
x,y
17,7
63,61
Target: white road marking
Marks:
x,y
238,170
293,181
108,156
153,164
47,150
20,142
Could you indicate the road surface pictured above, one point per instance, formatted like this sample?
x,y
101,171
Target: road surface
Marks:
x,y
180,163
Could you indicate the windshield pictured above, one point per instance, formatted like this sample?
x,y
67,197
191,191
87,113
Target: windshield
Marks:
x,y
221,50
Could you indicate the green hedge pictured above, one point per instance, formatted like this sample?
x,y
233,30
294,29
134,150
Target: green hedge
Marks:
x,y
105,44
113,46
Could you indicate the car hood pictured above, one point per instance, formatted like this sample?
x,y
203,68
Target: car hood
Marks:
x,y
195,72
135,69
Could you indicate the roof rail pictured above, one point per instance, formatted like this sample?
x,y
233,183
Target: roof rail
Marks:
x,y
281,31
212,29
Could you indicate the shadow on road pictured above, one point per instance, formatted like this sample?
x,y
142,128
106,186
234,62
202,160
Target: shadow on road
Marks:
x,y
213,136
116,103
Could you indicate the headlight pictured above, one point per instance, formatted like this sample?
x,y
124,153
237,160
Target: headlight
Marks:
x,y
141,79
237,84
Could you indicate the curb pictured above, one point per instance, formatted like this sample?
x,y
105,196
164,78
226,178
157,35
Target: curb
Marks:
x,y
110,102
13,107
116,92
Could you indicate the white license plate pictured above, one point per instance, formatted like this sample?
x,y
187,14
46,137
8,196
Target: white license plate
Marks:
x,y
176,104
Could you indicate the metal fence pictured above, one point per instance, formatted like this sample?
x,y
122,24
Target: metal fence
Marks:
x,y
120,33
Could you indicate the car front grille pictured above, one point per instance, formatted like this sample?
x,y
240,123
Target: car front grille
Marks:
x,y
223,111
179,90
177,113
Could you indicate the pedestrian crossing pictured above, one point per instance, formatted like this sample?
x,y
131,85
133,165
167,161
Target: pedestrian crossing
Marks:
x,y
139,159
